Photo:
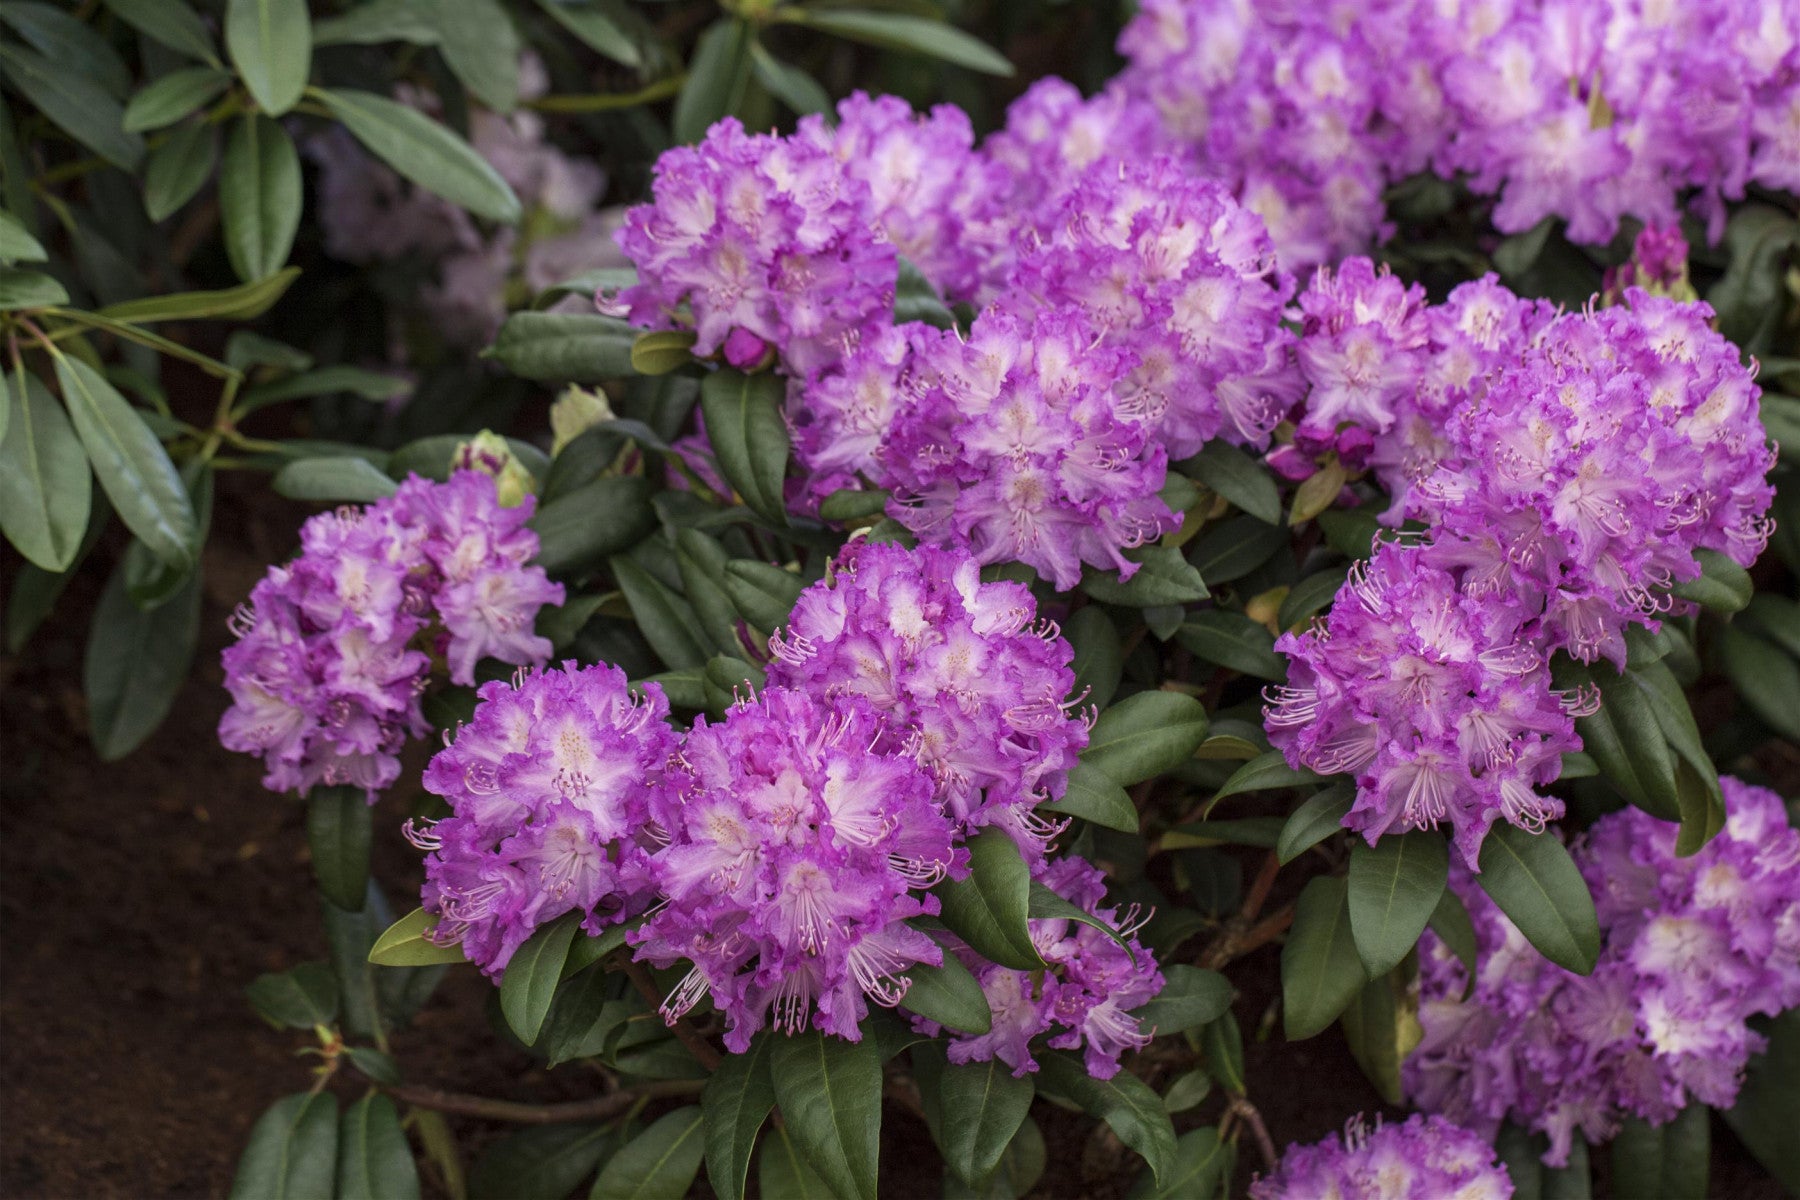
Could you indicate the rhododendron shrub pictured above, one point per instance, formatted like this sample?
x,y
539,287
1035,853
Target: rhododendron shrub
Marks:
x,y
992,603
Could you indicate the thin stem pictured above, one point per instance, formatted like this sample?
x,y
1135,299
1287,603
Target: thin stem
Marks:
x,y
1236,941
1259,889
697,1045
598,1108
662,89
1265,1145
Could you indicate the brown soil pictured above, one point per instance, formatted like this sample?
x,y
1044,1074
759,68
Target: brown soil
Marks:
x,y
138,898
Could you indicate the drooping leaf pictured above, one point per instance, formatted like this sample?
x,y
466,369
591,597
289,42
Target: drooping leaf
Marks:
x,y
1163,577
949,995
749,436
1124,1102
1382,1027
299,998
1663,1162
907,33
763,595
179,168
1320,969
1318,817
989,908
45,486
598,28
337,480
1092,795
1263,773
1537,885
338,834
783,1171
374,1161
830,1096
428,154
80,106
170,22
1201,1161
736,1102
1145,735
1239,478
1232,640
480,46
1394,887
292,1153
135,663
1191,997
270,44
1763,1117
659,1163
664,618
718,77
545,1162
245,302
174,96
259,197
529,982
982,1106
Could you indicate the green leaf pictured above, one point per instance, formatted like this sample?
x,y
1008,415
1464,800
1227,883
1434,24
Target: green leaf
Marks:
x,y
337,380
1048,905
542,1163
45,487
914,297
1722,586
1191,997
1201,1162
245,302
1099,655
179,168
1320,970
1536,884
259,197
293,1150
1124,1102
982,1107
1145,735
792,86
597,30
664,618
426,153
1235,548
744,423
1317,818
783,1172
35,591
1222,1052
405,944
1263,832
1239,478
1394,887
1351,533
81,107
270,44
170,22
1450,921
851,505
1187,1092
662,350
18,244
1264,773
1232,640
376,21
1519,1152
1092,795
1574,1181
135,663
337,832
1663,1162
173,97
1310,596
29,289
736,1102
989,908
1775,618
830,1095
904,32
565,347
583,1016
374,1161
1317,492
1163,577
659,1163
1767,680
948,995
1749,297
1763,1117
1382,1027
298,999
480,46
529,983
337,480
718,79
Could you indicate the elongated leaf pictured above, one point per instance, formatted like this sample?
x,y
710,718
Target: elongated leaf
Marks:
x,y
1201,1161
426,153
1382,1027
1239,478
136,662
763,595
1263,773
1048,905
1723,586
664,618
292,1154
1767,680
1320,970
794,88
948,995
659,1163
597,28
1191,997
172,23
376,21
298,999
830,1095
1763,1117
338,834
982,1106
736,1102
579,530
18,244
1163,577
529,983
1124,1102
565,347
45,491
29,289
480,46
1317,818
338,480
1092,795
179,168
661,351
270,44
1099,655
1537,885
83,108
989,908
542,1163
1235,548
404,943
902,31
1232,640
374,1161
1394,888
749,436
1663,1162
718,78
245,302
1450,921
259,197
783,1171
173,97
1145,735
1310,596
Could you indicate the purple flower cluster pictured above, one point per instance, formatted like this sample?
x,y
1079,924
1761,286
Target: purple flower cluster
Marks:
x,y
1692,948
1433,695
760,242
334,648
1423,1158
967,681
1590,112
797,850
1018,447
549,786
1084,1001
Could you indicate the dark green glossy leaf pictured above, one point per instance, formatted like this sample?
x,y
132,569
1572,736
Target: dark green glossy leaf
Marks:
x,y
1201,1162
989,908
45,487
581,529
1145,735
664,618
431,156
764,595
749,436
1382,1027
1320,970
1163,577
982,1107
1394,887
782,1171
1099,655
1317,818
1191,997
1235,548
135,663
292,1153
1450,921
1239,478
718,78
529,983
948,995
1766,678
659,1163
259,197
338,832
1092,795
736,1102
1264,773
299,998
1723,586
1232,640
830,1095
1310,596
336,480
1536,884
130,463
905,32
374,1161
1124,1102
1663,1162
1763,1117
